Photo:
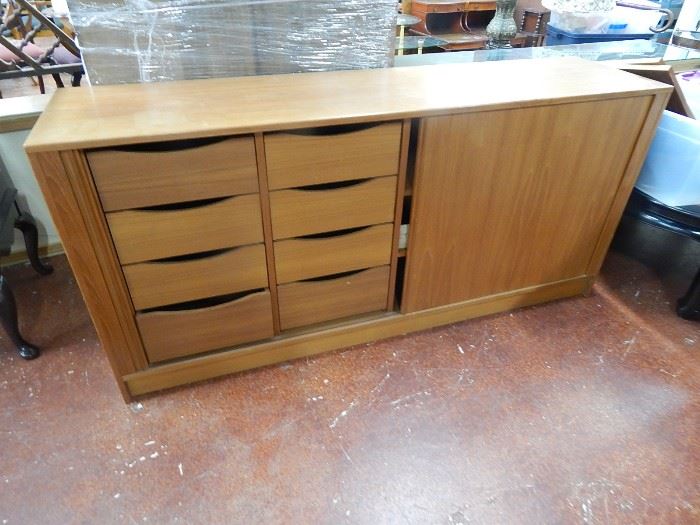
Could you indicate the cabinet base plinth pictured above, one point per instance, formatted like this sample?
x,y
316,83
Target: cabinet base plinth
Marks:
x,y
299,345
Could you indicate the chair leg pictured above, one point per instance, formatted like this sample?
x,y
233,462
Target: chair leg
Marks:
x,y
59,81
8,318
688,306
25,223
42,87
77,77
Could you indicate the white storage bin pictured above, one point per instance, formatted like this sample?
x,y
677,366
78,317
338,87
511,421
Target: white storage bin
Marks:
x,y
621,20
638,20
671,172
584,23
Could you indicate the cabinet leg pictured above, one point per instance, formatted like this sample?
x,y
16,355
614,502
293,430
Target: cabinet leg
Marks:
x,y
688,306
8,318
25,223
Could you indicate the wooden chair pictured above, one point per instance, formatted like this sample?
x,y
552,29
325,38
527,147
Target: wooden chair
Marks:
x,y
23,58
532,26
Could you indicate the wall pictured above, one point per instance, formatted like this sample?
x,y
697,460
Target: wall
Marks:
x,y
15,166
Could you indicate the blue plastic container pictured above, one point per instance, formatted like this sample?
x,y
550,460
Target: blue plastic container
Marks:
x,y
558,37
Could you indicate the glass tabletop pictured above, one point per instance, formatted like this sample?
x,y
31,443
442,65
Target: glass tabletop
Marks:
x,y
406,20
418,42
597,51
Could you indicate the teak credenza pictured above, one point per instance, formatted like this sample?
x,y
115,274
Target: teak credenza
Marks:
x,y
219,225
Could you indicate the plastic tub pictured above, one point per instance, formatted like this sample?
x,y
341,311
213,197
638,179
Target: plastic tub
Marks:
x,y
638,20
671,171
558,37
591,23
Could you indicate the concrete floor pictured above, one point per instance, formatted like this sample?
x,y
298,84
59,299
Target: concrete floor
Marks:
x,y
580,411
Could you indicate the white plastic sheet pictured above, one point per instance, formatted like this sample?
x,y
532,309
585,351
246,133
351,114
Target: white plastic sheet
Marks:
x,y
157,40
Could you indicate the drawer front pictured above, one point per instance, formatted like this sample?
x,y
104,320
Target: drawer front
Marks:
x,y
141,235
171,334
304,159
308,302
307,211
159,283
135,179
297,259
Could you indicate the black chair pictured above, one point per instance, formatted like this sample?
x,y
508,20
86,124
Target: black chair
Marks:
x,y
11,217
684,220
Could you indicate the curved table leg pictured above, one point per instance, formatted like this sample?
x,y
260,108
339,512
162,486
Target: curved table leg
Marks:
x,y
25,223
8,318
688,306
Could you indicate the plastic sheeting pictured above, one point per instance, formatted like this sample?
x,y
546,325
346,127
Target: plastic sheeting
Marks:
x,y
579,6
156,40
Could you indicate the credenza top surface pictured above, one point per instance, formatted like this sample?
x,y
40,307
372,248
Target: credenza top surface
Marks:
x,y
135,113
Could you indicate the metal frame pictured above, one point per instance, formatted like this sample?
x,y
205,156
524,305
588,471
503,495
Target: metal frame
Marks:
x,y
27,66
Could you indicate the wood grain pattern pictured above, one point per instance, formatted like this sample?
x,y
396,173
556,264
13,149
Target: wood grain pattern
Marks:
x,y
636,159
159,283
297,259
65,182
301,212
309,302
401,184
134,179
316,341
664,73
513,218
88,201
300,160
141,235
517,195
167,335
148,112
267,229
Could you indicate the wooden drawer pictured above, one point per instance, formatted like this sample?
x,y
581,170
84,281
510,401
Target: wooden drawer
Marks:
x,y
303,258
332,154
140,235
158,283
308,302
179,172
168,334
305,211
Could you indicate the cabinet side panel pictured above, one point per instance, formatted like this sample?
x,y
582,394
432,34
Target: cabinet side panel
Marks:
x,y
628,181
67,186
514,198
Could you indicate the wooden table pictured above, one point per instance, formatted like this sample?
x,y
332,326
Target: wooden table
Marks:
x,y
475,39
446,16
461,24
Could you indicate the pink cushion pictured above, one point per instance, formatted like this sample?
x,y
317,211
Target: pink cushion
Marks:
x,y
30,49
62,56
